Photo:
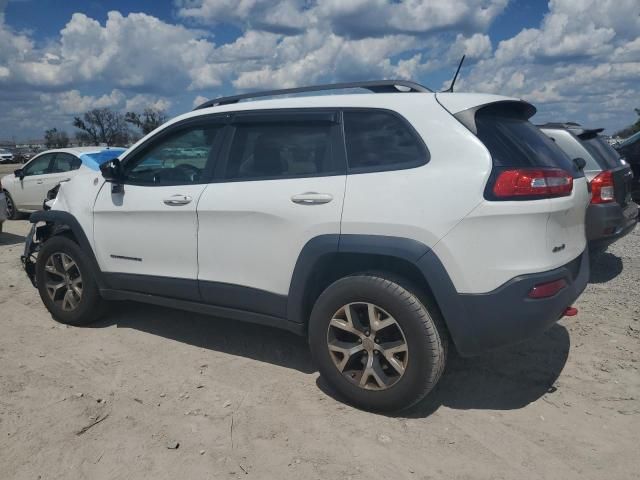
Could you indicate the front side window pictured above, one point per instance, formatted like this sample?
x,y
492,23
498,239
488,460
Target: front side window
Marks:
x,y
65,162
39,166
280,150
178,158
377,141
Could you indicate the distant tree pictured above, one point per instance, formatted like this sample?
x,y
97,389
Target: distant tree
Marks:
x,y
103,125
53,138
630,130
148,120
83,138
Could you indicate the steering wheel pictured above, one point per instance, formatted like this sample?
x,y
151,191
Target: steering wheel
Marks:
x,y
192,172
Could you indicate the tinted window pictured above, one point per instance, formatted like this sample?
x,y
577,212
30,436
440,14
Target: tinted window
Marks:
x,y
39,166
280,150
65,162
515,142
573,148
603,152
176,159
381,141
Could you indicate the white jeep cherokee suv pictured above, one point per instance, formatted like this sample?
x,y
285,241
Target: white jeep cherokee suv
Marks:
x,y
383,226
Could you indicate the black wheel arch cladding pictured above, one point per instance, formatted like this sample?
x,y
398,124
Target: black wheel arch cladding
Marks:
x,y
66,221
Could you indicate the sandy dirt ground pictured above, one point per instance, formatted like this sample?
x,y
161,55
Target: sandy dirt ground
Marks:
x,y
241,401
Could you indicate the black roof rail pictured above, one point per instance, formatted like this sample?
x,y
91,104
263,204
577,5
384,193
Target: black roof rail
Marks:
x,y
375,86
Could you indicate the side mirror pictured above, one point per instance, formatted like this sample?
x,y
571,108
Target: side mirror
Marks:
x,y
112,172
19,173
580,163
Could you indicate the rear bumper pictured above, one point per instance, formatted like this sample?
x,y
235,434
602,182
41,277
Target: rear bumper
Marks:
x,y
482,322
608,222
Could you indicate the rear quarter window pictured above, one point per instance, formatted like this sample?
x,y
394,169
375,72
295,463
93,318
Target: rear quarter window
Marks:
x,y
380,140
603,152
515,142
570,145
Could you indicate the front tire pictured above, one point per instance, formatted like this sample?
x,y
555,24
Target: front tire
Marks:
x,y
376,343
66,284
12,212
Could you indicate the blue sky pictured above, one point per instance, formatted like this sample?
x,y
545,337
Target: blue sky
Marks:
x,y
574,59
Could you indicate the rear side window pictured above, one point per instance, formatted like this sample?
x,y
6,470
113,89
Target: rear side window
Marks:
x,y
281,150
65,162
514,142
602,151
378,140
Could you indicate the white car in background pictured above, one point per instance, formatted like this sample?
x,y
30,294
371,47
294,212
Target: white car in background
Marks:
x,y
6,156
26,188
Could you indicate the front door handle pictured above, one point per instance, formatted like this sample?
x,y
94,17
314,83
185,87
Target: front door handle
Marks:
x,y
177,200
312,198
39,182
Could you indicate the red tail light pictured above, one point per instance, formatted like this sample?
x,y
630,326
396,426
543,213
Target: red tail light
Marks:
x,y
602,188
549,289
532,183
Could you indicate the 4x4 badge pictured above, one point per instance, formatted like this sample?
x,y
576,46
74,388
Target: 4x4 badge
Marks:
x,y
558,248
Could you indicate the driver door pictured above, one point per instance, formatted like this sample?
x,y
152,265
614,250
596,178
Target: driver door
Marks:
x,y
146,234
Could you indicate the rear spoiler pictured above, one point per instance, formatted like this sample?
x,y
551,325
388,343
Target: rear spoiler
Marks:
x,y
575,128
519,108
588,134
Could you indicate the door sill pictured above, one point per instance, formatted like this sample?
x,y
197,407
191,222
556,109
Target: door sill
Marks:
x,y
206,309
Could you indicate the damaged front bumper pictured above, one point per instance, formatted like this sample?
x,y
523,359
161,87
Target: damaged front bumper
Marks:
x,y
33,241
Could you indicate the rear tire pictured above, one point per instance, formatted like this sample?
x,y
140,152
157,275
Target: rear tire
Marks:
x,y
379,373
66,284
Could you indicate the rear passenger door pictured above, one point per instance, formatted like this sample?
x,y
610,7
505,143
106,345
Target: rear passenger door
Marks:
x,y
282,183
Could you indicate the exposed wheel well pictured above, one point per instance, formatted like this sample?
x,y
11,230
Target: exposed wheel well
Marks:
x,y
338,265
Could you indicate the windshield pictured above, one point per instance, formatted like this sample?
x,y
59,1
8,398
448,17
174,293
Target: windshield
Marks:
x,y
602,151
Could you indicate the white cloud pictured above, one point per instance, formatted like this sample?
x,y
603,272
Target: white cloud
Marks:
x,y
583,58
362,18
353,18
476,46
199,100
578,62
139,102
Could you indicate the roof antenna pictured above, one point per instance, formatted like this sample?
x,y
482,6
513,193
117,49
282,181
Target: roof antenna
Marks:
x,y
455,77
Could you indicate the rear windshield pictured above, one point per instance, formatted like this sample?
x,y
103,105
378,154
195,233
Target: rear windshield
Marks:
x,y
602,151
515,142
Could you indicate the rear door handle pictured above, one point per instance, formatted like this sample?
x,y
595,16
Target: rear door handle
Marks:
x,y
39,182
312,198
177,200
